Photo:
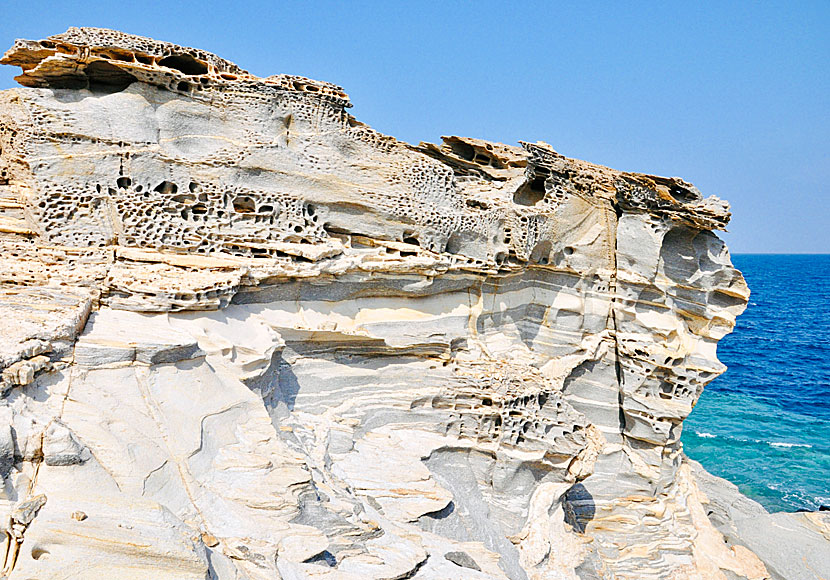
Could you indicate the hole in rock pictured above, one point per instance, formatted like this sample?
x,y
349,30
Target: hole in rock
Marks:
x,y
107,78
579,507
244,205
531,193
324,558
38,553
477,204
682,195
184,63
166,187
124,182
336,230
463,150
115,54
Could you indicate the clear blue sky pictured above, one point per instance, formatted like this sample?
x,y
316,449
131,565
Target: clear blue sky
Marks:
x,y
734,97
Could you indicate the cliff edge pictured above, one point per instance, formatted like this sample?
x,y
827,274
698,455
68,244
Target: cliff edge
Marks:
x,y
249,337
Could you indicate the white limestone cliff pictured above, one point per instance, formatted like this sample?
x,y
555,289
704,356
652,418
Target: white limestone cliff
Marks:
x,y
249,337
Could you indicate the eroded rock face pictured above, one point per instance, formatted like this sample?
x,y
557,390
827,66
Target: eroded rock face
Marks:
x,y
253,338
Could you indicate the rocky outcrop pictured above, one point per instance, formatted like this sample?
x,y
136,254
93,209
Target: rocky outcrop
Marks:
x,y
792,545
251,337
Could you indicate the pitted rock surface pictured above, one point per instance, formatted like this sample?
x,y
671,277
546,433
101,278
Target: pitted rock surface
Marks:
x,y
251,337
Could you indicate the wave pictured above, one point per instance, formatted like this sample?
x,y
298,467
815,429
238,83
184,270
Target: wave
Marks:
x,y
802,499
779,444
797,498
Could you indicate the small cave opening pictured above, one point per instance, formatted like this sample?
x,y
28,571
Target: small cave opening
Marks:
x,y
184,63
463,150
244,204
531,193
682,195
105,77
411,239
166,187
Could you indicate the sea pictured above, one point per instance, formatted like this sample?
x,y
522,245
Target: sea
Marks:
x,y
764,425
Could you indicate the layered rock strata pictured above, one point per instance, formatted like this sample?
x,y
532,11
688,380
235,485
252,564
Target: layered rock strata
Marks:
x,y
247,336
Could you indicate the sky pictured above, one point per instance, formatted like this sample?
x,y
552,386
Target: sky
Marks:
x,y
731,96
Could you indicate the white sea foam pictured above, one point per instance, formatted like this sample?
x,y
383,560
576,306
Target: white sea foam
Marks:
x,y
781,444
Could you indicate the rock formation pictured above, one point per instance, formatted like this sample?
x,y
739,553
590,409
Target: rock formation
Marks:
x,y
249,337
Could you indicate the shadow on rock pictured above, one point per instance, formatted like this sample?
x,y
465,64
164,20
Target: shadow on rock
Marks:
x,y
579,507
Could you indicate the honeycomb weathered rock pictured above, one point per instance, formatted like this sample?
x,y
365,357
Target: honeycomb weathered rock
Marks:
x,y
317,351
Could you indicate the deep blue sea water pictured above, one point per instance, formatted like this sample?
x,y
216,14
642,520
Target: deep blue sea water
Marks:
x,y
765,424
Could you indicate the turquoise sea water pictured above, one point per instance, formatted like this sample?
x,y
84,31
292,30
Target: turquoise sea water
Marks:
x,y
765,424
